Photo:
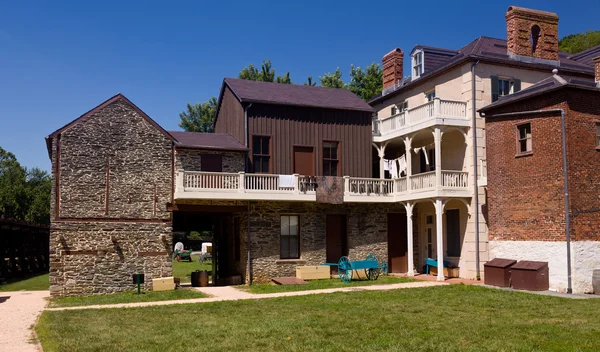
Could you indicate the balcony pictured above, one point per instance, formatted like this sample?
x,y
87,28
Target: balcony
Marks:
x,y
242,186
436,112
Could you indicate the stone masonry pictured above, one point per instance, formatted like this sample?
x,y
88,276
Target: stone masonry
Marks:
x,y
112,180
191,159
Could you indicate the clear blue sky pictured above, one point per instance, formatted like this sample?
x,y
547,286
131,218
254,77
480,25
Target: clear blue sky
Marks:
x,y
58,59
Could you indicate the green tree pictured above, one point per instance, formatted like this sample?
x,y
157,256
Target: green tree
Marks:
x,y
265,74
39,187
333,80
310,82
199,117
366,83
574,43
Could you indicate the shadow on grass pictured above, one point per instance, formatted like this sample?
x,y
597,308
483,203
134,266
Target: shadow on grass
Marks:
x,y
39,282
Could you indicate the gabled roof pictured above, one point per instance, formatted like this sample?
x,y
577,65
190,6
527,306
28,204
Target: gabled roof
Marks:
x,y
293,94
115,98
544,86
199,140
491,50
587,56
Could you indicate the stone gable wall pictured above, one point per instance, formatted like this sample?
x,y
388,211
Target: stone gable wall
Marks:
x,y
191,159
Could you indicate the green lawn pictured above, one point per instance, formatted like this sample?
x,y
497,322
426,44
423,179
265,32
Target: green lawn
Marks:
x,y
36,283
126,297
322,284
184,269
442,318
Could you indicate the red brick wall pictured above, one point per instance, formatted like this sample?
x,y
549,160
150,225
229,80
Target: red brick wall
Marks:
x,y
526,194
583,164
519,22
392,63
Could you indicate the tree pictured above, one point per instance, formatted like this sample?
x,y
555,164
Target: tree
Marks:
x,y
574,43
199,117
366,83
333,80
39,187
265,74
310,82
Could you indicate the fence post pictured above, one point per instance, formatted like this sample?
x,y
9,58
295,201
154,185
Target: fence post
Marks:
x,y
296,184
241,185
179,181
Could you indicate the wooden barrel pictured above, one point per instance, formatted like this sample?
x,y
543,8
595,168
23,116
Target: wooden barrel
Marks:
x,y
596,281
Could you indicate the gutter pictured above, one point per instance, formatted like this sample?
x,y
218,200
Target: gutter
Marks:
x,y
475,185
565,179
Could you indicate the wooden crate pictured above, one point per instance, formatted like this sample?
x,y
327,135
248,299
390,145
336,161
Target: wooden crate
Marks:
x,y
448,272
312,272
163,284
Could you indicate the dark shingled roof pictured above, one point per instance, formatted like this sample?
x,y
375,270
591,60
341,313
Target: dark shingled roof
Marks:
x,y
546,85
293,94
218,141
492,50
587,56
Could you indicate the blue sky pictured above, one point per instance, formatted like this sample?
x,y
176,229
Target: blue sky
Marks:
x,y
58,59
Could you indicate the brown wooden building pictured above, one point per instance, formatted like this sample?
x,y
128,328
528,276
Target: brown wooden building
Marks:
x,y
294,129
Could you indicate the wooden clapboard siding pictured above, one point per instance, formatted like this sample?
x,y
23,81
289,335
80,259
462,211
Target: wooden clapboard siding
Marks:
x,y
231,116
290,126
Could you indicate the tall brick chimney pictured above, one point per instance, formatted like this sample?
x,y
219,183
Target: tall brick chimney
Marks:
x,y
392,67
597,70
531,33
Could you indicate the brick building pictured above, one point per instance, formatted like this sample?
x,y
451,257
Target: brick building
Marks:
x,y
527,216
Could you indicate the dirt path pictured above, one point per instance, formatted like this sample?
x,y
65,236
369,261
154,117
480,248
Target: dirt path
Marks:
x,y
227,293
18,313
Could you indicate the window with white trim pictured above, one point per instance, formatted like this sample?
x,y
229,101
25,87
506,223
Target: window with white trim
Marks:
x,y
524,140
289,238
430,95
417,64
502,86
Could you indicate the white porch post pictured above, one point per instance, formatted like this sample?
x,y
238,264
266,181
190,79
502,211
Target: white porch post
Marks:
x,y
179,181
408,146
437,137
439,210
381,154
409,238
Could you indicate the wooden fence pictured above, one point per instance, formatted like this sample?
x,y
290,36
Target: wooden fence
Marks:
x,y
24,249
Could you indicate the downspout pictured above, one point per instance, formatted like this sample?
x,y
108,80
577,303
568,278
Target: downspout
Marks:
x,y
249,264
475,185
565,179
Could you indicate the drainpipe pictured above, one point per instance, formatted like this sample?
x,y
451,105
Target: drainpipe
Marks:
x,y
475,185
565,179
246,143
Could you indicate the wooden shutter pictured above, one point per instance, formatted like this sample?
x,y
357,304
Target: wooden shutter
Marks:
x,y
516,85
494,88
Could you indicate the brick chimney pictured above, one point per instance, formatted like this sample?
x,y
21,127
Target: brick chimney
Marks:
x,y
597,70
531,34
392,67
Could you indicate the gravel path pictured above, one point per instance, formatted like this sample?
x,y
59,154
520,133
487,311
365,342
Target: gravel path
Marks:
x,y
18,313
228,293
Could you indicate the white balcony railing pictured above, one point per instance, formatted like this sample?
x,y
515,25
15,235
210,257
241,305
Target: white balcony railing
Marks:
x,y
221,185
436,108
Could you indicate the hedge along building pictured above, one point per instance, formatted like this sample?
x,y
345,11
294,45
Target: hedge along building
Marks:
x,y
543,147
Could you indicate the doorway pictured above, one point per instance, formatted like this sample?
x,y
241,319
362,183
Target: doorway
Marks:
x,y
397,242
336,238
304,161
429,234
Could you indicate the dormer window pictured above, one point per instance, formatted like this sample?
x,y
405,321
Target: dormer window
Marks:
x,y
417,64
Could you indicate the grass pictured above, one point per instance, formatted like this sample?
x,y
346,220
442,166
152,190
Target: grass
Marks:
x,y
126,297
184,269
36,283
442,318
322,284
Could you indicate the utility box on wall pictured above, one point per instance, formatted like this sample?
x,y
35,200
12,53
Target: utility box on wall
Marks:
x,y
530,276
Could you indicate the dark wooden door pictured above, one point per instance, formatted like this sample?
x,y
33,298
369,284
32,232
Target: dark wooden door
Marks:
x,y
304,161
336,238
397,245
211,163
453,243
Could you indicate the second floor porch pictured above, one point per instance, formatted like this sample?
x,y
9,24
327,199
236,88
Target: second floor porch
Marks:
x,y
246,186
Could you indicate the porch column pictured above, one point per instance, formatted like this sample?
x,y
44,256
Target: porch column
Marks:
x,y
437,138
439,210
381,154
409,238
408,146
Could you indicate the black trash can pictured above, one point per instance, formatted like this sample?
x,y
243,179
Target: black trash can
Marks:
x,y
497,272
530,276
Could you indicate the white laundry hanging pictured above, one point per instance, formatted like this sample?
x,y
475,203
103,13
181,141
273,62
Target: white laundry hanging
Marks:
x,y
394,169
424,150
402,164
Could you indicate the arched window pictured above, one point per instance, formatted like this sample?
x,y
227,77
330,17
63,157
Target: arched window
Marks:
x,y
535,35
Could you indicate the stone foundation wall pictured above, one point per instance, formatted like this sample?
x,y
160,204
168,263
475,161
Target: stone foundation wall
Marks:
x,y
366,229
89,258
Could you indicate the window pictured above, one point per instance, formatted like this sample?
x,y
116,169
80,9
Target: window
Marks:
x,y
502,86
524,142
597,134
394,111
404,105
418,64
290,237
535,35
430,95
330,158
261,154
